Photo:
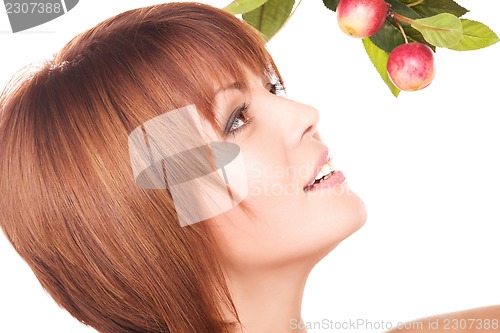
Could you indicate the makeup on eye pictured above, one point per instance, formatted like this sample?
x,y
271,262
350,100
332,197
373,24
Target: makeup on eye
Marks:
x,y
238,120
240,116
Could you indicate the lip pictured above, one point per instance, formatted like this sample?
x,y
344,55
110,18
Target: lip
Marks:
x,y
323,157
337,178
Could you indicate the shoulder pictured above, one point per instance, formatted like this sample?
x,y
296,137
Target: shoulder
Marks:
x,y
483,320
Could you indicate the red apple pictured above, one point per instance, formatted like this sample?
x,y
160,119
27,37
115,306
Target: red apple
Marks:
x,y
411,66
361,18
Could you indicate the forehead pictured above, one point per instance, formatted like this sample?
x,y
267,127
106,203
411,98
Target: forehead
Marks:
x,y
238,85
249,78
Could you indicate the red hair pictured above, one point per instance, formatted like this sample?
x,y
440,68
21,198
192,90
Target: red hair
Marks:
x,y
110,253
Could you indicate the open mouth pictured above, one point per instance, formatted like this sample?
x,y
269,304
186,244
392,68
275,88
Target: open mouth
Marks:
x,y
325,172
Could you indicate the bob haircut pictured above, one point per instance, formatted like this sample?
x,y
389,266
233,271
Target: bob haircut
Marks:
x,y
110,253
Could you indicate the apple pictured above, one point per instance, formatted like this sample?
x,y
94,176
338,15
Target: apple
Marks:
x,y
361,18
411,66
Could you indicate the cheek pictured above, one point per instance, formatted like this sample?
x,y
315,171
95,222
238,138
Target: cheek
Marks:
x,y
268,176
281,224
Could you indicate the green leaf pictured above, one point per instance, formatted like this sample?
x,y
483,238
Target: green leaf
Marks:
x,y
433,7
270,17
331,4
476,36
388,37
243,6
401,9
415,36
379,59
442,30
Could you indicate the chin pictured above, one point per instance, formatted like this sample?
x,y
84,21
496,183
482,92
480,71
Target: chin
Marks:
x,y
344,219
360,215
356,216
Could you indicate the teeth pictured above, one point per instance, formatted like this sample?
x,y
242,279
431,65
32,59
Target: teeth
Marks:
x,y
326,169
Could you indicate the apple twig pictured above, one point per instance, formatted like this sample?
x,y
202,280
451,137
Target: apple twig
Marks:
x,y
400,28
416,3
399,17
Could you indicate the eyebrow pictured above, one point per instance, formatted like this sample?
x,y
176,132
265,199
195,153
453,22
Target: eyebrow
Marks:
x,y
233,85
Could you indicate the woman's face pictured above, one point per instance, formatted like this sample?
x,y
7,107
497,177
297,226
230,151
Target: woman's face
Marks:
x,y
286,221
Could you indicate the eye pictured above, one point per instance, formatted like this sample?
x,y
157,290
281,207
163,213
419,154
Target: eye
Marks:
x,y
239,119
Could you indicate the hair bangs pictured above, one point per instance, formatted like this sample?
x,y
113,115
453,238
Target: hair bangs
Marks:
x,y
216,53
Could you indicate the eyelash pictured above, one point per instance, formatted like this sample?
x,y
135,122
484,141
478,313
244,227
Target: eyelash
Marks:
x,y
276,89
238,112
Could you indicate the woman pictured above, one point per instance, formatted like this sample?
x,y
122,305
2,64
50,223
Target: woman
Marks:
x,y
119,238
113,251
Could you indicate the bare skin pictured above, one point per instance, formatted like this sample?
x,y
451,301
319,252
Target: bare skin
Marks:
x,y
269,250
267,257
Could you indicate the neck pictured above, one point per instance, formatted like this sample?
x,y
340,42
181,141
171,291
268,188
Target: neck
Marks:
x,y
269,300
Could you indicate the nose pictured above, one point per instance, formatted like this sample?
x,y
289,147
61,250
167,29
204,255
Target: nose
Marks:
x,y
300,122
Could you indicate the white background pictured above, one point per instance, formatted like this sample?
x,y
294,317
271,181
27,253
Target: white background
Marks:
x,y
426,165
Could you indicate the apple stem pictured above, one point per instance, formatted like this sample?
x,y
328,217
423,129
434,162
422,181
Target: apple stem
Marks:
x,y
402,31
396,18
416,3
